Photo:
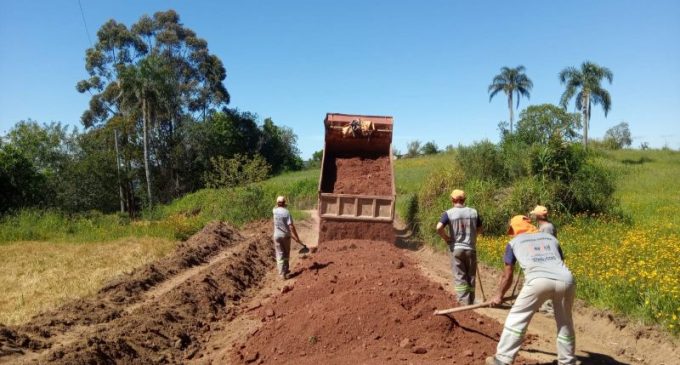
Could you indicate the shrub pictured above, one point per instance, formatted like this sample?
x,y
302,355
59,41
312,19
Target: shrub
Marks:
x,y
237,171
433,199
482,160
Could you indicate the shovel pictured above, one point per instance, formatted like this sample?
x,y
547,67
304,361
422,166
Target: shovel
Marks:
x,y
464,308
304,250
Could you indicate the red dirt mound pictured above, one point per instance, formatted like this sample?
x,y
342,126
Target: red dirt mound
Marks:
x,y
124,324
331,230
359,175
110,301
364,302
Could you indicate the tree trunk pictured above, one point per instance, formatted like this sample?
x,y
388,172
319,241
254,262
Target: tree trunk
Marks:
x,y
511,111
146,151
120,185
585,106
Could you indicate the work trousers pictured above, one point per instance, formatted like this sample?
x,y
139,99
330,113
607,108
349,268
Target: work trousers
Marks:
x,y
464,266
282,250
530,298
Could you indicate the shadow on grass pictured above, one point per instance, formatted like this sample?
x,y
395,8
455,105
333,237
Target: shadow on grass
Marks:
x,y
639,161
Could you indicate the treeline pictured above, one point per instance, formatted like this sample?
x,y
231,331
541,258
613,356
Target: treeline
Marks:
x,y
52,166
156,123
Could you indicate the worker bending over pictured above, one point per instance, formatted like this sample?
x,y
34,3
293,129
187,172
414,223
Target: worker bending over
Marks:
x,y
540,213
464,224
546,277
283,230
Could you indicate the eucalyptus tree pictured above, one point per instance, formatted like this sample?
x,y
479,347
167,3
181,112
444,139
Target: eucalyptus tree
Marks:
x,y
139,51
585,84
511,81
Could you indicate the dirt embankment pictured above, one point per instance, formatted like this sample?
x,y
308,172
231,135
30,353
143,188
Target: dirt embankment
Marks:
x,y
132,321
364,302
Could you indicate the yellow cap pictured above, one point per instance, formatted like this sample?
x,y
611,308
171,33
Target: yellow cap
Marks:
x,y
539,210
281,199
521,224
457,193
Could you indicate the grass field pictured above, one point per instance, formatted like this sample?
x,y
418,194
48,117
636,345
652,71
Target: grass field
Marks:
x,y
36,276
631,266
628,267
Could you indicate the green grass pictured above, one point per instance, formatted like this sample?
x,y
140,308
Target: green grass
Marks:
x,y
177,220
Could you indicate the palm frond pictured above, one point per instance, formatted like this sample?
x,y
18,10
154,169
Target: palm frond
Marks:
x,y
601,96
567,95
493,91
569,73
579,101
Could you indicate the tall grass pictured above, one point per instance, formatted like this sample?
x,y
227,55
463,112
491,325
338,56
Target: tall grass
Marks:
x,y
627,260
177,220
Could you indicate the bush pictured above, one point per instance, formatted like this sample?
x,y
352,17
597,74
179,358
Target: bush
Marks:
x,y
433,200
237,171
482,160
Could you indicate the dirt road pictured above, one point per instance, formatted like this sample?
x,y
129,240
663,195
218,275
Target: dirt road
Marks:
x,y
217,300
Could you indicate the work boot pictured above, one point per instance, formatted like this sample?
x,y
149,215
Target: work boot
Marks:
x,y
492,360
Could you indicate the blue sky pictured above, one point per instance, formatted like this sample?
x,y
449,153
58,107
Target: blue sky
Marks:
x,y
427,63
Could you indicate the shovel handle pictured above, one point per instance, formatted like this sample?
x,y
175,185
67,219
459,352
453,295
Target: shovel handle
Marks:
x,y
468,307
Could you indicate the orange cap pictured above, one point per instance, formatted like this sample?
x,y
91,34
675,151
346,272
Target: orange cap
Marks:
x,y
457,193
521,224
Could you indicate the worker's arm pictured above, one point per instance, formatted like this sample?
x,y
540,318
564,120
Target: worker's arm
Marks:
x,y
441,230
293,231
504,285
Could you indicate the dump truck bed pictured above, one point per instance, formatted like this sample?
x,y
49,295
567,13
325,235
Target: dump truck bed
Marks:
x,y
357,173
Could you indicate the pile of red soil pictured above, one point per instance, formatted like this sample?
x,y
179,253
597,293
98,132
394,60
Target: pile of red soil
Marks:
x,y
359,175
169,328
332,230
364,302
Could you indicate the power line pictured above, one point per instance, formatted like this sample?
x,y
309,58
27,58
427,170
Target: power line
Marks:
x,y
87,31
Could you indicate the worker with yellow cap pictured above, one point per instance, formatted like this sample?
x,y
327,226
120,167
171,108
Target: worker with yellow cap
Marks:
x,y
545,277
284,229
540,213
464,224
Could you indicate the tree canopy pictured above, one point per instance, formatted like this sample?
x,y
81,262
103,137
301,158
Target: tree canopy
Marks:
x,y
585,83
511,81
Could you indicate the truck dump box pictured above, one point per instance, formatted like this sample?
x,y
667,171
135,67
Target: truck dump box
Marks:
x,y
357,173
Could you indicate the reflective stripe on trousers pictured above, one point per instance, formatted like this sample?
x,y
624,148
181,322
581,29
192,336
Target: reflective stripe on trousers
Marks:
x,y
464,267
530,298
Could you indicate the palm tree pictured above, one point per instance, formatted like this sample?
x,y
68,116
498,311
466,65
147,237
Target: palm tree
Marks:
x,y
585,84
511,81
147,87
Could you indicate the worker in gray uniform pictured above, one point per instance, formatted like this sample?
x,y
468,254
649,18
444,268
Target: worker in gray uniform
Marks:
x,y
540,214
546,277
464,224
284,229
